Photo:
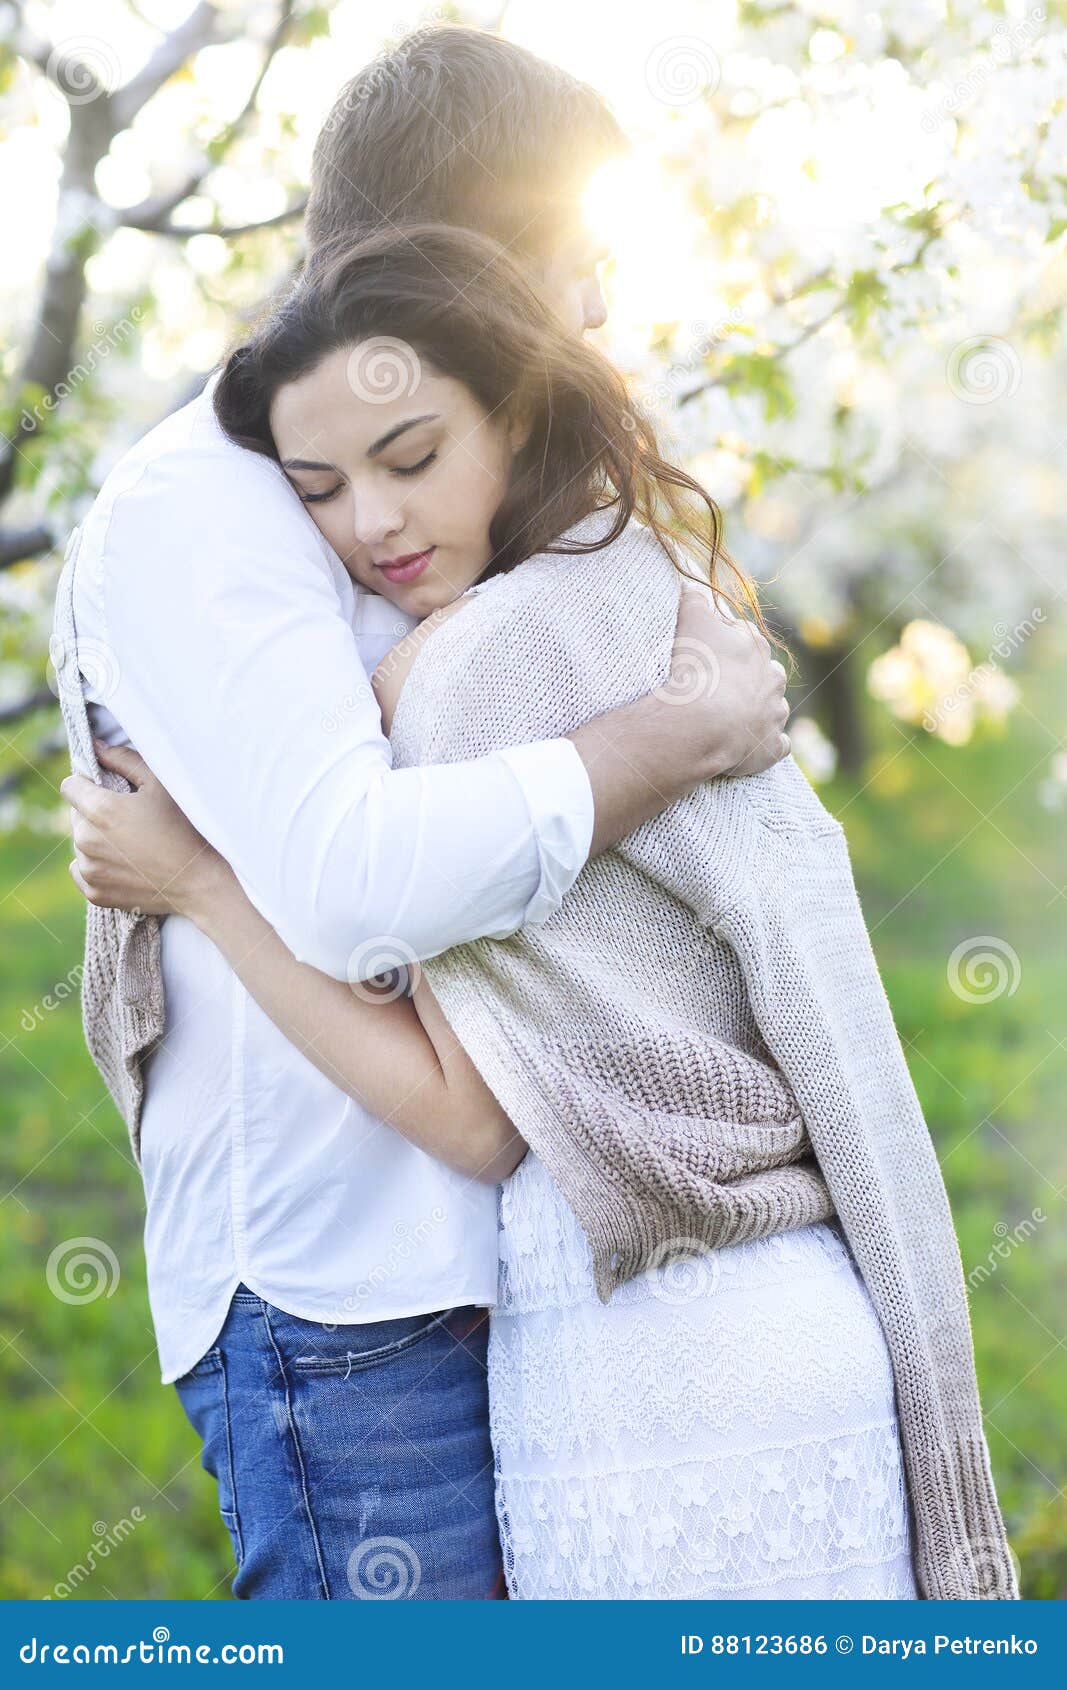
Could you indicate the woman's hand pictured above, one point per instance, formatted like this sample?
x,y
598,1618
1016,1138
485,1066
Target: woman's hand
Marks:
x,y
136,850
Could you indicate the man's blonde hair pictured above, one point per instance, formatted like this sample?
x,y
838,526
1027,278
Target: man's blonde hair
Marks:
x,y
456,125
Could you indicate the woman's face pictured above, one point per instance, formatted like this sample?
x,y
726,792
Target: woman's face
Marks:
x,y
400,467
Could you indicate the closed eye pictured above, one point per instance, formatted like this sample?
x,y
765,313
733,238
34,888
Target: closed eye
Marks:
x,y
413,469
332,492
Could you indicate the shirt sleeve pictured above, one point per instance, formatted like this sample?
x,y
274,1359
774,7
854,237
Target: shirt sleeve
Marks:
x,y
224,646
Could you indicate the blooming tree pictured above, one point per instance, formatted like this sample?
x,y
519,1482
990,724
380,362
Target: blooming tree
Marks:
x,y
842,297
873,387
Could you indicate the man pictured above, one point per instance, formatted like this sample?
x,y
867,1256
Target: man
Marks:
x,y
319,1285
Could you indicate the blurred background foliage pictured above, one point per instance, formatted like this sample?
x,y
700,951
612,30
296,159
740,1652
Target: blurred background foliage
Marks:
x,y
837,281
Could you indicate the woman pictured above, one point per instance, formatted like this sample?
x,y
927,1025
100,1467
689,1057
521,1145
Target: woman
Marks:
x,y
692,1393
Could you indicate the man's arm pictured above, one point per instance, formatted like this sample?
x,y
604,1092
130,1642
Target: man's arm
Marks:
x,y
722,711
643,756
231,663
234,670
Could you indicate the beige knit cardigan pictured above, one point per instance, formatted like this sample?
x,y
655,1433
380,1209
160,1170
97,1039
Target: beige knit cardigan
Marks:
x,y
703,1011
123,1010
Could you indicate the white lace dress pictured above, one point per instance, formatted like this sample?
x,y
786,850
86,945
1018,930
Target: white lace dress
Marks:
x,y
725,1427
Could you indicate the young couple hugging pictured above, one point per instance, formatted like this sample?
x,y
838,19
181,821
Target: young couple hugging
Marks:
x,y
537,1200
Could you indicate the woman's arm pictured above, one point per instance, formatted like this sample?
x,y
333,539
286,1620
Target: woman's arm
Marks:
x,y
395,1055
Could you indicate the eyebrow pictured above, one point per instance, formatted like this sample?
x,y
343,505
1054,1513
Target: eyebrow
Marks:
x,y
401,428
372,451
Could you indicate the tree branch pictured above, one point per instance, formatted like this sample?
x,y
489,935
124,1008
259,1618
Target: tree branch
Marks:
x,y
93,125
49,352
19,544
200,29
26,706
46,748
23,41
226,231
67,71
154,215
783,351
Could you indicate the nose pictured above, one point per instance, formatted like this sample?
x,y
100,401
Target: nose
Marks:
x,y
376,515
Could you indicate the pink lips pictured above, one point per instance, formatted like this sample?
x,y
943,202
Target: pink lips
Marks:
x,y
406,568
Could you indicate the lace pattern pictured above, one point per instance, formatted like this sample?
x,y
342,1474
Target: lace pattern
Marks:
x,y
724,1427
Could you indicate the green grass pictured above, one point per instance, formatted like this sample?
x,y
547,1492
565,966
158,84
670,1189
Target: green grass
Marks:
x,y
950,845
92,1440
947,845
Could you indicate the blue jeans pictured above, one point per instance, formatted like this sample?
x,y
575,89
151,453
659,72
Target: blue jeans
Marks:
x,y
352,1462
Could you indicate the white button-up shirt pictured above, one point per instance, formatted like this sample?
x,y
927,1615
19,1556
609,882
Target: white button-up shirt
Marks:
x,y
219,633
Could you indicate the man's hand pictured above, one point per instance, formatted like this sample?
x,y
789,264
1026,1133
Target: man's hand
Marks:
x,y
724,679
722,711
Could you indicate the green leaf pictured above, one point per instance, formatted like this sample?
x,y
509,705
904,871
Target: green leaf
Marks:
x,y
865,294
763,374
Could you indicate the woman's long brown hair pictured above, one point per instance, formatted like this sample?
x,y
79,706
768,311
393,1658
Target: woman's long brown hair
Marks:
x,y
456,300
